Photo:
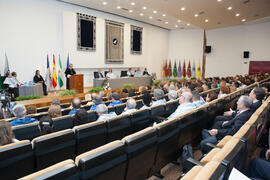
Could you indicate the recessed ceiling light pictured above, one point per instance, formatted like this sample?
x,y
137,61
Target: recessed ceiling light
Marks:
x,y
144,8
196,15
141,14
118,7
243,20
179,20
188,24
219,0
183,8
206,20
155,12
163,15
176,26
150,17
130,11
237,14
229,8
166,22
104,3
132,4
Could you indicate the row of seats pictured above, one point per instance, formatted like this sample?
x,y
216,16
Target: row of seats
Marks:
x,y
231,151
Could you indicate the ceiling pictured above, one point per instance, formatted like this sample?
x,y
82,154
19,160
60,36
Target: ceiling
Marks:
x,y
212,14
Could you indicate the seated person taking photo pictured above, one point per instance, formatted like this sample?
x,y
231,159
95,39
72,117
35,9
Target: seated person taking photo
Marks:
x,y
19,112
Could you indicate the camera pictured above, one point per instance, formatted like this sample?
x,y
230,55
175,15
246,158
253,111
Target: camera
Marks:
x,y
5,103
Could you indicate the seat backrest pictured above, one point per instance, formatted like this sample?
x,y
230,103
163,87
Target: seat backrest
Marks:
x,y
26,131
212,170
92,116
139,104
65,111
42,109
89,136
53,148
120,108
18,157
63,170
140,119
105,162
111,109
191,174
118,127
62,123
171,107
158,110
141,148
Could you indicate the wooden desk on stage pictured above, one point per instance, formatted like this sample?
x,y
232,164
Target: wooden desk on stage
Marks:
x,y
116,83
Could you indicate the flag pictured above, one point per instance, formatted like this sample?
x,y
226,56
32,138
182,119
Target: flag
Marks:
x,y
6,70
198,71
1,83
179,73
166,69
174,70
189,69
48,74
60,74
54,77
193,72
163,69
68,61
170,69
184,69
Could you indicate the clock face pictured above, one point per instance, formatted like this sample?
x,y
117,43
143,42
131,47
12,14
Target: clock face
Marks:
x,y
115,41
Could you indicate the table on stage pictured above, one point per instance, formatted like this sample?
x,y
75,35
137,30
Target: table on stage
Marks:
x,y
116,83
30,90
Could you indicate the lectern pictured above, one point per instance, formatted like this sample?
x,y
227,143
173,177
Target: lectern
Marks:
x,y
76,83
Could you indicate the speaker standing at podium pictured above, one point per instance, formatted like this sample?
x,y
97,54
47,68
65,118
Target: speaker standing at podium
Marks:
x,y
69,72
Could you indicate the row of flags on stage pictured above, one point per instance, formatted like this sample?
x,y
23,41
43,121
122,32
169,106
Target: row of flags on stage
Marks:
x,y
6,70
179,72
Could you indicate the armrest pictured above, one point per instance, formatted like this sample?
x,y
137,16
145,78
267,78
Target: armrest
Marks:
x,y
209,147
190,163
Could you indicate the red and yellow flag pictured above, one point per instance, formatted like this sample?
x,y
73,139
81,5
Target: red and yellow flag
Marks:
x,y
189,69
54,76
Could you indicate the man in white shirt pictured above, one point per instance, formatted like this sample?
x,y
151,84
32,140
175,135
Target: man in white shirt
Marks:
x,y
102,111
110,74
12,85
130,106
138,73
185,101
129,73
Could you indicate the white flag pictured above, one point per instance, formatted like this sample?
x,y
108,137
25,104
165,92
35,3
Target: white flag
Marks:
x,y
6,70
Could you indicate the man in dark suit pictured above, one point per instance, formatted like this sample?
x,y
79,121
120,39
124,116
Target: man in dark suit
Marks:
x,y
98,74
69,72
212,136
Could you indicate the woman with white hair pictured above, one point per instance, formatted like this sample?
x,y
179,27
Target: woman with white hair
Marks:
x,y
19,112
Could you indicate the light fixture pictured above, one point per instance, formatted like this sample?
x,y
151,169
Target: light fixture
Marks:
x,y
132,4
179,20
196,15
163,15
166,22
229,8
237,14
183,8
104,3
206,20
130,11
141,14
243,20
219,0
144,8
155,12
188,24
176,26
150,17
118,7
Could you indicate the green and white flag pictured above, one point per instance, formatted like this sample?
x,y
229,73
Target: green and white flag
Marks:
x,y
60,74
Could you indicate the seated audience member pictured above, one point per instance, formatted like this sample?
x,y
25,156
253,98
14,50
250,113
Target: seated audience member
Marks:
x,y
80,117
213,85
39,79
199,89
171,87
110,74
197,99
257,95
211,96
6,134
129,72
2,115
19,112
205,87
143,90
131,92
265,87
55,102
172,95
97,100
145,72
147,100
31,110
259,168
76,105
45,125
54,111
130,106
138,73
159,96
12,85
223,91
102,111
185,101
115,99
228,127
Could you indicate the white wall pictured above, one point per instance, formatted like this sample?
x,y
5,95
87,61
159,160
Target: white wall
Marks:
x,y
31,29
227,44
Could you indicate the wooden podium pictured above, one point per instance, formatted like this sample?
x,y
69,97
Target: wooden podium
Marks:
x,y
76,83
